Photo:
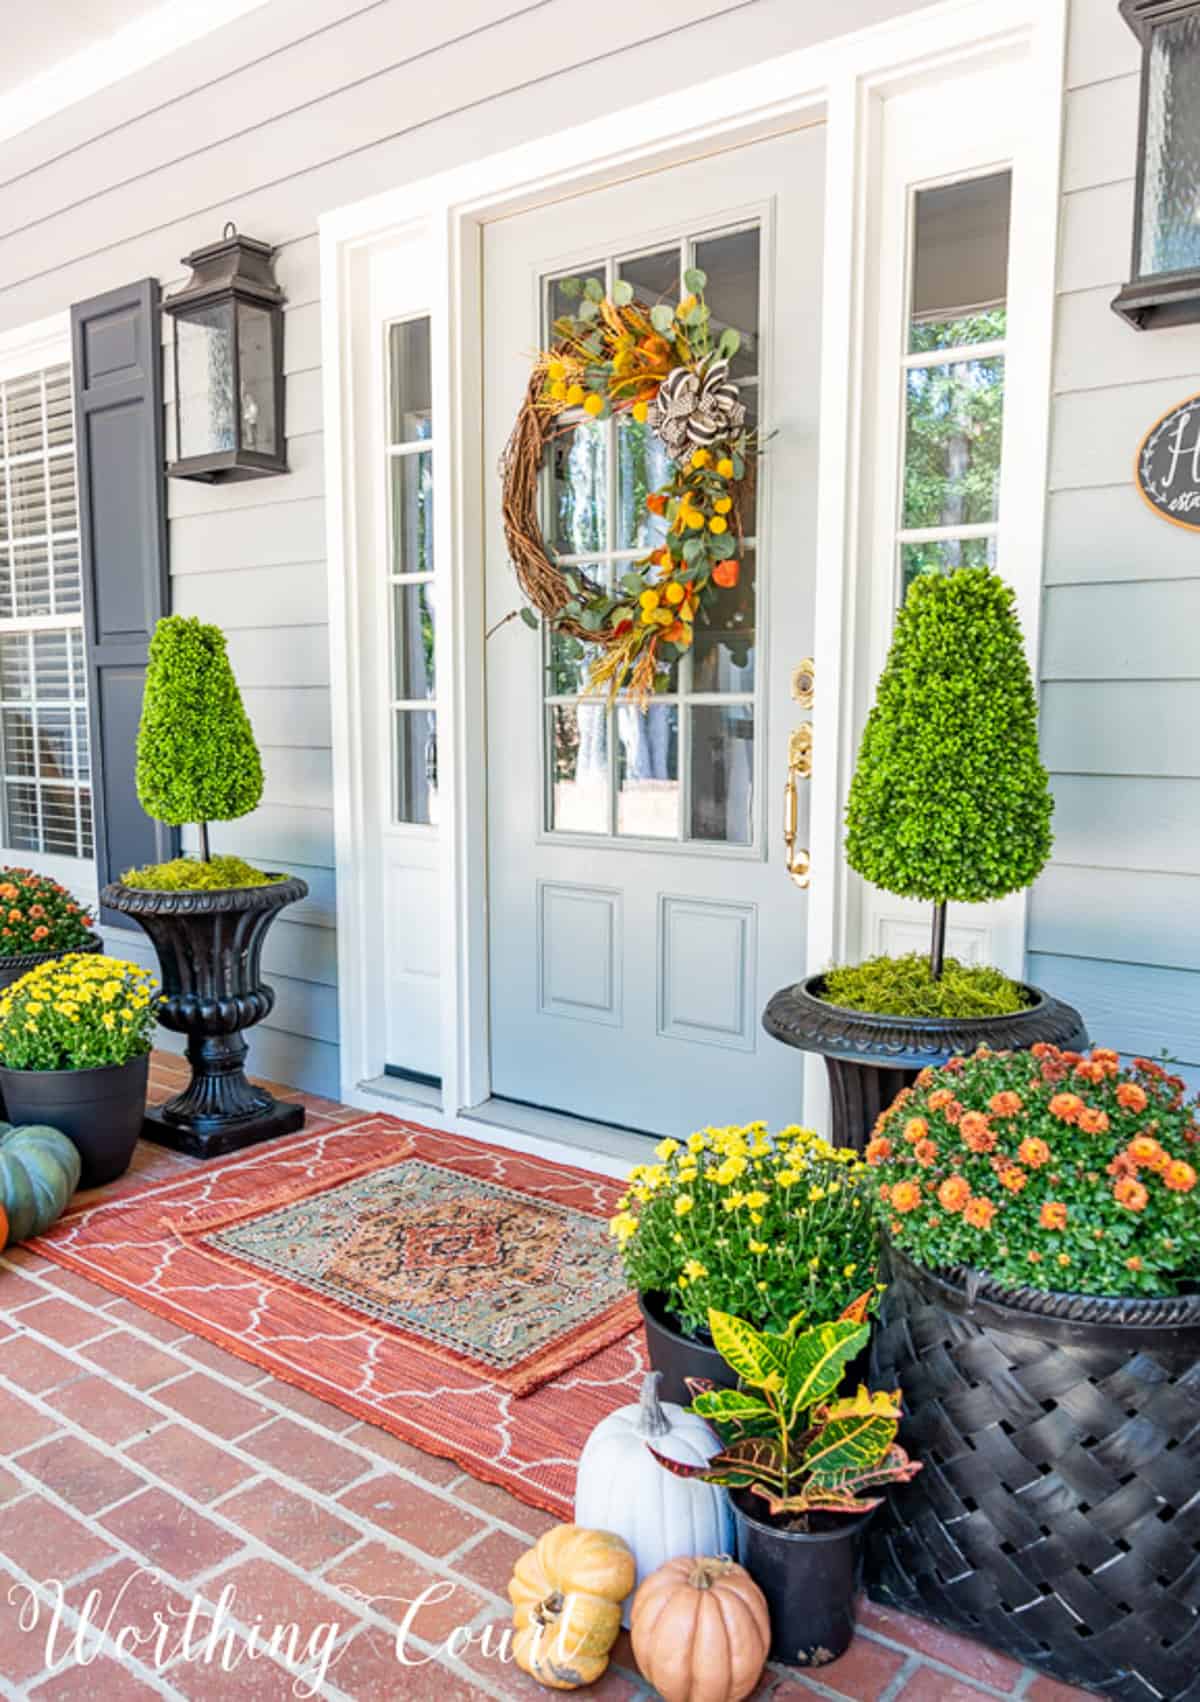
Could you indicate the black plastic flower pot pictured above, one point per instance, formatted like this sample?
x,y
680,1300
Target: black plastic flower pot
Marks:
x,y
1057,1516
678,1355
810,1580
870,1058
12,968
100,1110
209,947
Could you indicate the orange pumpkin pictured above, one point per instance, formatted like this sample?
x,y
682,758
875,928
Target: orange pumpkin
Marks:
x,y
3,1229
701,1631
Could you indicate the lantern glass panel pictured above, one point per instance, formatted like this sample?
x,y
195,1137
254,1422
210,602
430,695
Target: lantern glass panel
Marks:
x,y
1170,235
204,376
256,369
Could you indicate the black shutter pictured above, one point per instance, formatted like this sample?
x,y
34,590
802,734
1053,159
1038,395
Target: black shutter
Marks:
x,y
116,351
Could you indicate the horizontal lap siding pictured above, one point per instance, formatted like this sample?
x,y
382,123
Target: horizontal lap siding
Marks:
x,y
270,122
1115,920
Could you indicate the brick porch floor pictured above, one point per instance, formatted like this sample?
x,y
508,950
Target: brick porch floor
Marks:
x,y
136,1455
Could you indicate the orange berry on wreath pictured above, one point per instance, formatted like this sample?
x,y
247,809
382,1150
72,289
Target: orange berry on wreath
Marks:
x,y
725,573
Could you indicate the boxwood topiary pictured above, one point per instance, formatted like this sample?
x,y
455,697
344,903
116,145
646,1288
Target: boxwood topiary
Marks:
x,y
949,799
196,756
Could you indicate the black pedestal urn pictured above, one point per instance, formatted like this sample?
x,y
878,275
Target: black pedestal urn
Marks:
x,y
870,1058
209,947
1058,1515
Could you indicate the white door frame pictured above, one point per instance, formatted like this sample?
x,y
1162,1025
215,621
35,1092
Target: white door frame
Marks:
x,y
845,80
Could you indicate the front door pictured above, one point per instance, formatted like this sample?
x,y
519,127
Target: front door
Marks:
x,y
641,912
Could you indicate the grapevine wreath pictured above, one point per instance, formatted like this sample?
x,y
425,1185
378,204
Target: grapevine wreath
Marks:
x,y
660,364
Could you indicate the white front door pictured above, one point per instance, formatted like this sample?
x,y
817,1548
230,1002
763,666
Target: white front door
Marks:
x,y
640,909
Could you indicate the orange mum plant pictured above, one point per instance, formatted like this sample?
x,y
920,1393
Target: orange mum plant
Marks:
x,y
1045,1168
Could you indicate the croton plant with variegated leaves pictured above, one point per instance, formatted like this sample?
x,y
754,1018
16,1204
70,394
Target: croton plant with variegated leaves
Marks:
x,y
787,1436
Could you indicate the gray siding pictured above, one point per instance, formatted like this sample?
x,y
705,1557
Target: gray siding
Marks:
x,y
291,111
1115,920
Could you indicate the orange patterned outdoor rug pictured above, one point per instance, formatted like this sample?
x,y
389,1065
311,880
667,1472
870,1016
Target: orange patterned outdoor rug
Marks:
x,y
419,1280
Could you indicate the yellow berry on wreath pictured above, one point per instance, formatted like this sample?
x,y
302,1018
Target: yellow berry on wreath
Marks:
x,y
725,467
594,405
718,524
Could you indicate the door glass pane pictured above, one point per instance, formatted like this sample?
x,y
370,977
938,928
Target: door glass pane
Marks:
x,y
412,512
410,381
412,640
256,376
579,489
955,414
1171,172
946,556
655,277
568,659
648,772
732,265
722,773
643,465
577,752
723,651
960,263
415,755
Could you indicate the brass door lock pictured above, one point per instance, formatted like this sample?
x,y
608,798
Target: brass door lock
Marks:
x,y
804,677
800,741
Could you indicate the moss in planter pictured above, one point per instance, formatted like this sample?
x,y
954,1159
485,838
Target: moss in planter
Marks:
x,y
185,874
903,986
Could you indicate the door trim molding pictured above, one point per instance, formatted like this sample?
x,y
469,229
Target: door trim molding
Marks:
x,y
842,81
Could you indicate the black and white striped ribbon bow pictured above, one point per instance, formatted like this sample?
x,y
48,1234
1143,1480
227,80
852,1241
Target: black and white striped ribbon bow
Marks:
x,y
694,410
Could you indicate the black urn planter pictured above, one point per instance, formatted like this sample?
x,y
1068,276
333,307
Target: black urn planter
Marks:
x,y
871,1058
100,1110
809,1578
1057,1517
209,947
12,968
677,1355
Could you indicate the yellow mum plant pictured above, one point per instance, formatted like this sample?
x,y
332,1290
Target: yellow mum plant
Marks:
x,y
77,1013
768,1227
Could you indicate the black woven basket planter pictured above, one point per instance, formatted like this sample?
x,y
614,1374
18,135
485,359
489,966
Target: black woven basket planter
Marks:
x,y
1058,1514
12,968
870,1058
209,947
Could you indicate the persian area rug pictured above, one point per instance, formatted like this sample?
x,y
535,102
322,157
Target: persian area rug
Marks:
x,y
466,1298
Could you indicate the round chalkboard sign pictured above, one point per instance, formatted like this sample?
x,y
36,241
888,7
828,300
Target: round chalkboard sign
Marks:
x,y
1167,468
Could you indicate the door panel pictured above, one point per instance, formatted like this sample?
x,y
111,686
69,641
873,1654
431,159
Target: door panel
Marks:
x,y
640,911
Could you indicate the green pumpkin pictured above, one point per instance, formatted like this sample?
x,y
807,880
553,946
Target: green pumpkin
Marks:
x,y
39,1171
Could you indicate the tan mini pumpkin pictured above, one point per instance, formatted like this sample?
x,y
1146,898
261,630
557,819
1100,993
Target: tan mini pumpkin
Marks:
x,y
566,1594
701,1631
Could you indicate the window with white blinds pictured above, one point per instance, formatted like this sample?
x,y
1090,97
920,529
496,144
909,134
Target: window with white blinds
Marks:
x,y
46,798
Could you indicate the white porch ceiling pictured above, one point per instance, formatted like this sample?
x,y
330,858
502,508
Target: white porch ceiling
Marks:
x,y
82,46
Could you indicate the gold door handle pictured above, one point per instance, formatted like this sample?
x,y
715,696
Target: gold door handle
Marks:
x,y
799,863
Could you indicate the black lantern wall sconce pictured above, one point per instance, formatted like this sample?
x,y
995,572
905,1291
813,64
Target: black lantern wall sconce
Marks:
x,y
1165,286
229,363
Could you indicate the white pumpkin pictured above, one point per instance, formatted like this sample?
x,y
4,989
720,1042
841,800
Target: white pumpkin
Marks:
x,y
621,1487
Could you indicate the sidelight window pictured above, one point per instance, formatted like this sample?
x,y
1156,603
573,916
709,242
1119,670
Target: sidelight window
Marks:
x,y
954,369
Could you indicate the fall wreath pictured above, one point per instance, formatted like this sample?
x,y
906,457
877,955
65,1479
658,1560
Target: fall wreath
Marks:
x,y
614,354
